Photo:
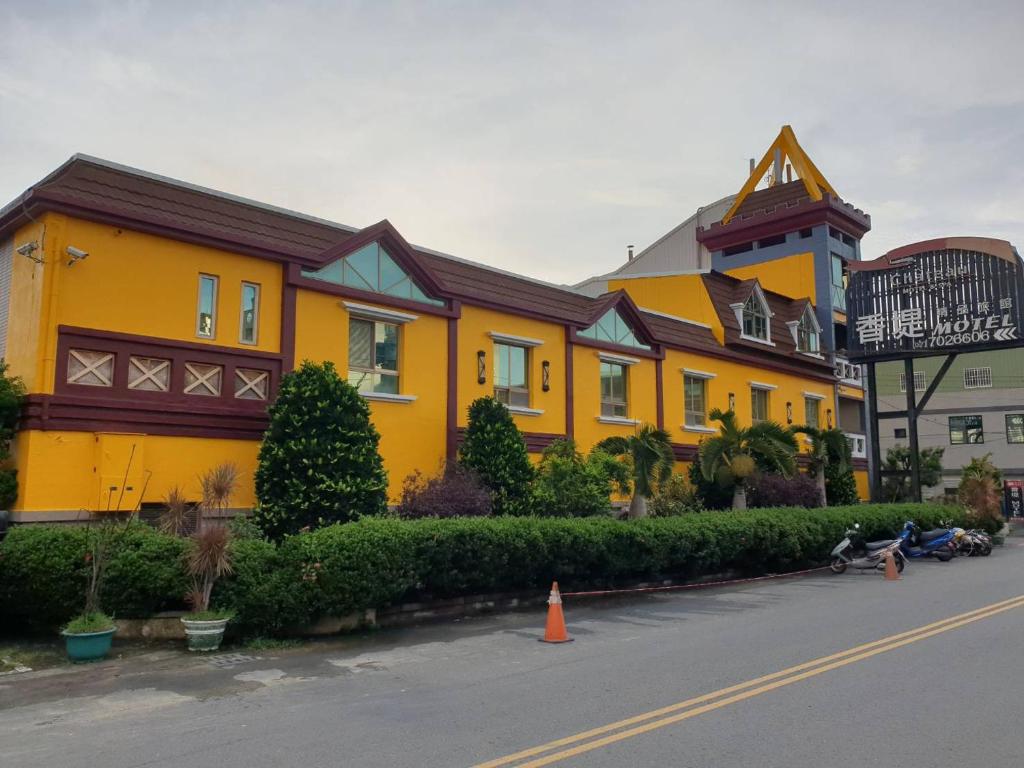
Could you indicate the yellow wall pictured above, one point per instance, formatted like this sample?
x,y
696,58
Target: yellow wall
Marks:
x,y
680,295
159,463
640,397
137,283
29,301
791,276
474,328
412,433
863,484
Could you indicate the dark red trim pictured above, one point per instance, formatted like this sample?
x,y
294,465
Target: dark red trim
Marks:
x,y
659,392
535,441
783,219
859,465
400,250
295,278
288,319
118,407
623,302
570,418
618,349
91,414
452,403
684,452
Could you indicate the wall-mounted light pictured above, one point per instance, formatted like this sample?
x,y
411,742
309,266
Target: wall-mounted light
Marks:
x,y
545,376
481,367
732,401
828,418
789,413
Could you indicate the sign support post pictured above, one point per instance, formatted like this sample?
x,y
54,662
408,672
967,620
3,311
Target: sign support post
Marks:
x,y
874,448
915,455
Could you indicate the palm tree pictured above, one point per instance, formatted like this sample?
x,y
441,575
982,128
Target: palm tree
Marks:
x,y
828,447
733,455
650,452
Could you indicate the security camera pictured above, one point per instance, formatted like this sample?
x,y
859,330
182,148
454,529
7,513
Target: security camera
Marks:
x,y
76,255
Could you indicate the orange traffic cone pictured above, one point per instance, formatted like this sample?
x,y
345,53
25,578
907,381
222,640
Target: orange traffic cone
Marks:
x,y
891,574
555,632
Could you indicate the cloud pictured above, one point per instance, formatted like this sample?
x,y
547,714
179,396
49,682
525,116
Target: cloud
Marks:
x,y
537,137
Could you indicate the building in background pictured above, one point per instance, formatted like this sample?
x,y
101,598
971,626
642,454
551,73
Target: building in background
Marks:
x,y
151,321
787,227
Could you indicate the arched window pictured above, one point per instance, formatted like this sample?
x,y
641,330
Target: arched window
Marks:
x,y
372,269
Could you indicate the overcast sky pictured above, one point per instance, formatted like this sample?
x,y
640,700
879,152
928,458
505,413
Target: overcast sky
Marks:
x,y
538,137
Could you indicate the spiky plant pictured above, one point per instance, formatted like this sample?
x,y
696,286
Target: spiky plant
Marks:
x,y
174,519
217,485
650,454
208,560
829,447
733,455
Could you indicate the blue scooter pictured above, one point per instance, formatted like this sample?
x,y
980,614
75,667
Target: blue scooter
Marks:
x,y
936,542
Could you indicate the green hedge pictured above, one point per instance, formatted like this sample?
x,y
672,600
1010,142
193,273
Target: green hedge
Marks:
x,y
378,561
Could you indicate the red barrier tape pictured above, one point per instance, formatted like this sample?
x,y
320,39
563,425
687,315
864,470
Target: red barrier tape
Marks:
x,y
693,586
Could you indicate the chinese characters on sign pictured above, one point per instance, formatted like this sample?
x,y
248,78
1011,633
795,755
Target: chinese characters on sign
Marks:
x,y
940,301
1014,495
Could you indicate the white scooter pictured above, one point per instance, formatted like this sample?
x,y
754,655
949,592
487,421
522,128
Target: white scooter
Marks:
x,y
852,552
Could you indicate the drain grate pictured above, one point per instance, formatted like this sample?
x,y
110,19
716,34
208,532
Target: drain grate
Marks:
x,y
229,660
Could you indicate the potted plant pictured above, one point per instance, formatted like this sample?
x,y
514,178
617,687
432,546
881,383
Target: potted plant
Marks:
x,y
88,636
208,560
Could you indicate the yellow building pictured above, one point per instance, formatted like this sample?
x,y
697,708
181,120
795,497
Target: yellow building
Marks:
x,y
151,321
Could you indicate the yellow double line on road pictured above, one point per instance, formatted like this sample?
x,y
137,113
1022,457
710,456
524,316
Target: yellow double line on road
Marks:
x,y
595,738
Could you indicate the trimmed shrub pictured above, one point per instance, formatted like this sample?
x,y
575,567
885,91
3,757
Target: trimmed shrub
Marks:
x,y
375,562
569,485
840,485
44,572
319,462
455,492
712,494
495,450
676,496
771,490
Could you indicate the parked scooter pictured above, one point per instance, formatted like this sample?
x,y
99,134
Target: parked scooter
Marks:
x,y
974,543
853,552
937,542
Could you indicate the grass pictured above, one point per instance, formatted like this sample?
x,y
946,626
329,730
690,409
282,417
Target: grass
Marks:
x,y
31,655
270,644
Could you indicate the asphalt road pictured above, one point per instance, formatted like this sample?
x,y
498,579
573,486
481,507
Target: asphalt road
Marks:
x,y
476,691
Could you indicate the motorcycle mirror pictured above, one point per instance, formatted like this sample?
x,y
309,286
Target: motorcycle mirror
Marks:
x,y
857,526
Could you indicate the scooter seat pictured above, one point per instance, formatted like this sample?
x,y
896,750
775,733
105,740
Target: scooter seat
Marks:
x,y
933,534
872,546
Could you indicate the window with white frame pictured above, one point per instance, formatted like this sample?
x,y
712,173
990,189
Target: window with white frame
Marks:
x,y
812,411
695,400
977,378
203,379
755,318
90,368
920,382
807,337
373,356
248,322
511,375
613,390
760,402
206,311
149,374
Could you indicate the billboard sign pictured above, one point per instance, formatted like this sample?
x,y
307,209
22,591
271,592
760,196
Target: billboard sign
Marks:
x,y
933,298
1013,492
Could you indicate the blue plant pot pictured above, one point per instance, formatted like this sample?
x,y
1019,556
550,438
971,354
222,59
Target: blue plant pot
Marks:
x,y
89,646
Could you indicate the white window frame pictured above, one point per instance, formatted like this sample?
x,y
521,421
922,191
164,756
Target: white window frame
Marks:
x,y
794,329
255,315
527,390
978,378
917,387
738,307
756,386
213,309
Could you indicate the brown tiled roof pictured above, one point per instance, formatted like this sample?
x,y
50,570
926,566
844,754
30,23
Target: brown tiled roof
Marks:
x,y
103,191
725,290
767,200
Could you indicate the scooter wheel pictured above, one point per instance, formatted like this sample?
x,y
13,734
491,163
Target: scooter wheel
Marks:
x,y
985,550
900,564
837,565
944,555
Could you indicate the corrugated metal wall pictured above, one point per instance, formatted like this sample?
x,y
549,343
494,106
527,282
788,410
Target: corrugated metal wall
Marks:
x,y
6,263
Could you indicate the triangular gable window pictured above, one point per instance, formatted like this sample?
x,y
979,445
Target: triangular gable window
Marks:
x,y
612,328
371,268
